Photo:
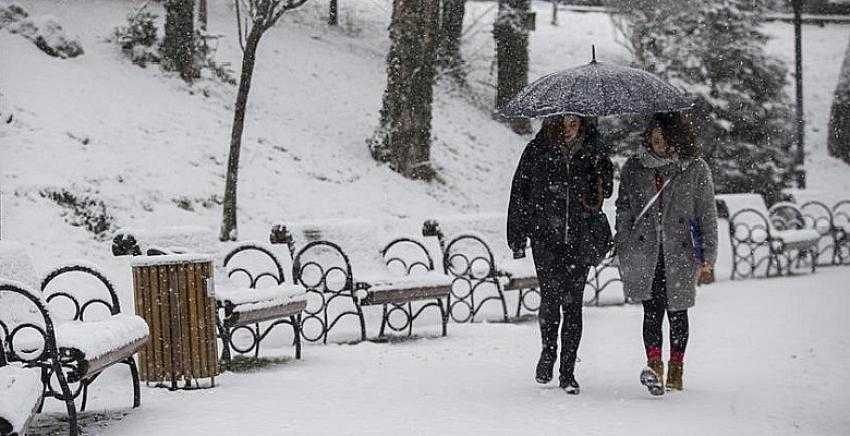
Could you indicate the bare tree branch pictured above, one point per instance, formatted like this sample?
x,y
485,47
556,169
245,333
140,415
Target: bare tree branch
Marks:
x,y
239,26
290,4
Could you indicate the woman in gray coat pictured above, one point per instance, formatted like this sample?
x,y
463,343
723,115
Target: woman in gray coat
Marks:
x,y
665,204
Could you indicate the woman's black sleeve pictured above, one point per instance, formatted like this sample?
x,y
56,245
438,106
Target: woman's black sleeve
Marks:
x,y
520,206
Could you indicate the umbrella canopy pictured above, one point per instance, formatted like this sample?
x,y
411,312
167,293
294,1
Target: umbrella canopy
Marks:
x,y
596,90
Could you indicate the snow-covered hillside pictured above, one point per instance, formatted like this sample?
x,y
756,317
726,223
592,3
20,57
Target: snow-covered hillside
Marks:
x,y
148,150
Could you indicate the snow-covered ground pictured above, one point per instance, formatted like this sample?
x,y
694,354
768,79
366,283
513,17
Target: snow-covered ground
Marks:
x,y
765,357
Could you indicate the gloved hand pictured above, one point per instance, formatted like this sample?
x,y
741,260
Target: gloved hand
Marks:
x,y
705,274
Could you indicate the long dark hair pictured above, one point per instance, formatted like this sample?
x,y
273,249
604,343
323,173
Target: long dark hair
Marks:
x,y
678,131
552,130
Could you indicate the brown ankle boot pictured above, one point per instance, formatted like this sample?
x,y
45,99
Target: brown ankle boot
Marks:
x,y
674,376
657,367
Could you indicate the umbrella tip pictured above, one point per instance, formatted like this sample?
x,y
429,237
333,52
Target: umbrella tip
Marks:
x,y
593,53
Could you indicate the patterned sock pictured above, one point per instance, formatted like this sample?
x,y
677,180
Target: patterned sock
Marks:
x,y
677,356
653,354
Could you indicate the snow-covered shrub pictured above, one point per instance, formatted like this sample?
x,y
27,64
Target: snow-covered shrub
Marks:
x,y
715,50
82,211
138,38
51,39
45,31
11,14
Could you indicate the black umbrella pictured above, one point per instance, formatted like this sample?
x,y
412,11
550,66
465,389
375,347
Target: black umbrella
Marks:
x,y
596,90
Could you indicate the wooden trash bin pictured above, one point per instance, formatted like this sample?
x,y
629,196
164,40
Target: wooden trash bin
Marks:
x,y
174,294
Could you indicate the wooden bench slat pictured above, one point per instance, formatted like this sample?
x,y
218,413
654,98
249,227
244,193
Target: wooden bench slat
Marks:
x,y
87,368
267,313
517,283
399,296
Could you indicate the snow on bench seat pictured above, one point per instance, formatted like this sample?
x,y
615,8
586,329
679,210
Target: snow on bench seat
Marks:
x,y
98,344
383,289
96,338
797,237
253,305
20,395
245,295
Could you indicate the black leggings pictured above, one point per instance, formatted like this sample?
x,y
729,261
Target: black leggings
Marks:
x,y
561,293
653,316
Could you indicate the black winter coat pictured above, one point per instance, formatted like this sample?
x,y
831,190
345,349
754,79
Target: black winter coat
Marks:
x,y
544,178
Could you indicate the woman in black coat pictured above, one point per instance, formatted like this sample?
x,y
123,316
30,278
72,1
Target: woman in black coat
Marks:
x,y
556,199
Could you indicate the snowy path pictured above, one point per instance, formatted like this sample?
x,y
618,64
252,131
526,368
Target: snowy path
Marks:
x,y
766,357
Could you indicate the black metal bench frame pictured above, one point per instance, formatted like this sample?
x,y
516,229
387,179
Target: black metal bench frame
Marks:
x,y
233,320
349,291
346,293
463,269
401,301
841,233
68,365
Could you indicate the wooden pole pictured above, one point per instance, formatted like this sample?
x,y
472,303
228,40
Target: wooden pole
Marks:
x,y
798,77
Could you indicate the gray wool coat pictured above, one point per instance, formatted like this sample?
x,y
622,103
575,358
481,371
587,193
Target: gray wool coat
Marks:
x,y
688,198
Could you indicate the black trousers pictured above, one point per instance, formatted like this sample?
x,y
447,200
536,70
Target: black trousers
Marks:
x,y
653,317
561,296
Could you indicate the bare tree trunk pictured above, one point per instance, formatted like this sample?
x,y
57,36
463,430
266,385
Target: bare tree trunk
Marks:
x,y
202,13
228,224
178,45
838,134
333,13
449,56
511,33
404,136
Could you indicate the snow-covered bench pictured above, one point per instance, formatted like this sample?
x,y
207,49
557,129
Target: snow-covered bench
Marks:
x,y
20,397
256,291
412,276
761,241
812,215
406,275
70,350
469,258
